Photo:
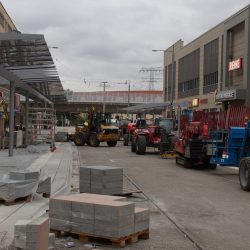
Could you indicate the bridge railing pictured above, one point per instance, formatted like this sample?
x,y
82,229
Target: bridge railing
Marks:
x,y
116,97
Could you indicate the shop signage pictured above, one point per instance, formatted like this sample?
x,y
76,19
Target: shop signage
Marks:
x,y
235,64
195,102
226,95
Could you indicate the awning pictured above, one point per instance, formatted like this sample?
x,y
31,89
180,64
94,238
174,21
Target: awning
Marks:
x,y
28,58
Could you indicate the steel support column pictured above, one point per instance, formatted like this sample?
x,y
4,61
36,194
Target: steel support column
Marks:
x,y
26,119
11,118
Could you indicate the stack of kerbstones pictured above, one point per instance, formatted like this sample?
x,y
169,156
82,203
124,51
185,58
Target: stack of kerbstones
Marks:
x,y
32,234
99,215
141,219
101,180
18,184
22,175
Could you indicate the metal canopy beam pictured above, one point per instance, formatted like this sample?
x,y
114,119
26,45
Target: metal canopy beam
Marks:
x,y
23,86
28,57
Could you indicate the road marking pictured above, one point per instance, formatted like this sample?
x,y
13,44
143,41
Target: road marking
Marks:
x,y
111,160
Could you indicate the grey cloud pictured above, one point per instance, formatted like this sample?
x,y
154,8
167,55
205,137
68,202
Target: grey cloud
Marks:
x,y
113,39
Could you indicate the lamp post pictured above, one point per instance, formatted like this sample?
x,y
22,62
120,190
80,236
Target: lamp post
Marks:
x,y
172,76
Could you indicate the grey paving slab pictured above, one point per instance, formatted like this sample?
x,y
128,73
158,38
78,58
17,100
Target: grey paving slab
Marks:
x,y
57,165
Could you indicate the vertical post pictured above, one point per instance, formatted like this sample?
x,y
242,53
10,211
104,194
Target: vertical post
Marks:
x,y
104,97
172,84
11,118
128,82
26,119
179,121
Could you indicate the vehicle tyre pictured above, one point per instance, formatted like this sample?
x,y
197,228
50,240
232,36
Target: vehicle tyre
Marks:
x,y
244,174
141,145
93,141
133,145
79,139
111,143
188,163
125,139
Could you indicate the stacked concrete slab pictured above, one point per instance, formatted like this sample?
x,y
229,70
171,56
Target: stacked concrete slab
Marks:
x,y
32,234
52,243
44,185
23,175
141,219
18,184
60,210
101,180
100,215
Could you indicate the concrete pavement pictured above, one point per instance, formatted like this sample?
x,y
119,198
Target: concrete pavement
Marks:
x,y
190,209
58,165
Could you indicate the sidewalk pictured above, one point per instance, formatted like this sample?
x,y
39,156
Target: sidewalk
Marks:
x,y
58,165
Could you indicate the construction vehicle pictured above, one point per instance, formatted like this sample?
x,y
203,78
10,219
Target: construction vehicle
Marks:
x,y
130,129
194,146
150,135
168,138
96,129
218,138
123,128
232,148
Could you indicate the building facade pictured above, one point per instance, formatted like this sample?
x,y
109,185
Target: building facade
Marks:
x,y
6,23
212,71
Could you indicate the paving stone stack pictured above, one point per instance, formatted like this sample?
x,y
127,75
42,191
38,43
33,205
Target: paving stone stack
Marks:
x,y
101,180
44,185
61,137
32,234
52,243
100,215
141,219
18,184
60,210
23,175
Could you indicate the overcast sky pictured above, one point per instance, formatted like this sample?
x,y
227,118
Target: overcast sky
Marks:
x,y
111,40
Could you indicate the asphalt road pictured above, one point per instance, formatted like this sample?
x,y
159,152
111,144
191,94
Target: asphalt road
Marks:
x,y
190,208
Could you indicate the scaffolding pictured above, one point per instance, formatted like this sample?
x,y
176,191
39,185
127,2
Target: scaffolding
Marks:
x,y
41,125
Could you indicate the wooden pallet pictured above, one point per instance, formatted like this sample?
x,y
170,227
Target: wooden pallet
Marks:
x,y
118,242
27,198
129,192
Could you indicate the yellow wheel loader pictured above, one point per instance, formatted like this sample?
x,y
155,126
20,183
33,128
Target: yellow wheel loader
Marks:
x,y
97,129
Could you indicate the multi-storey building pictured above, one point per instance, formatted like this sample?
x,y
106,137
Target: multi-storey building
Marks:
x,y
6,24
213,70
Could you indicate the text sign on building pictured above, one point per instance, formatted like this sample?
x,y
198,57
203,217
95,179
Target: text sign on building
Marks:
x,y
235,64
195,102
226,95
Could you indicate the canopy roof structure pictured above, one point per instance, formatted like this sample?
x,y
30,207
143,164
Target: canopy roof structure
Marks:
x,y
26,60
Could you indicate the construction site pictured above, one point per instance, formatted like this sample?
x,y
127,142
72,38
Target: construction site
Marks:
x,y
141,169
